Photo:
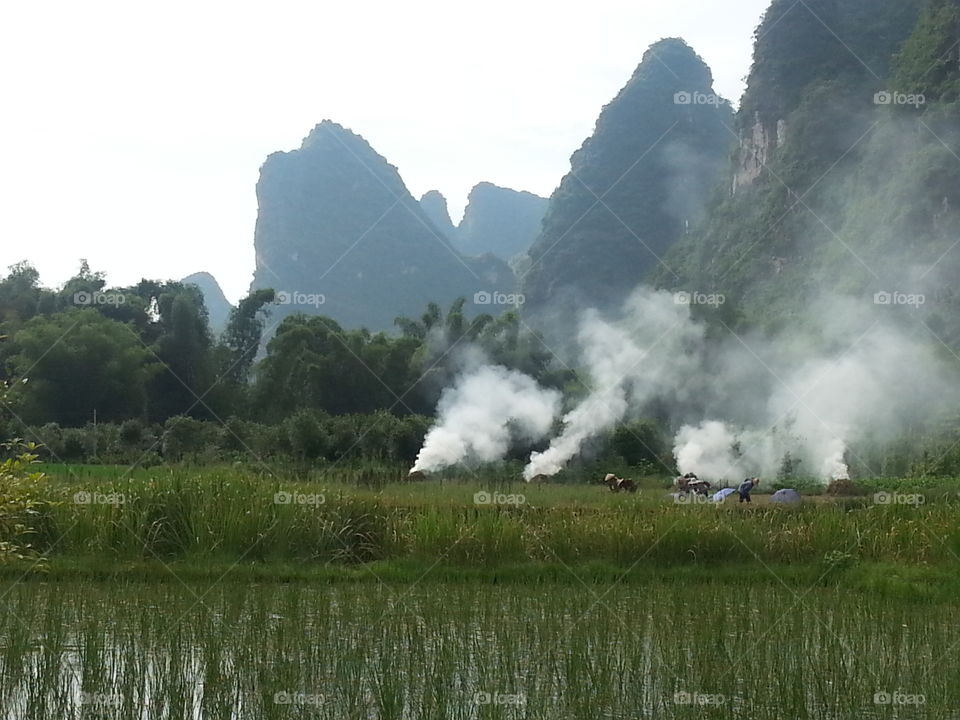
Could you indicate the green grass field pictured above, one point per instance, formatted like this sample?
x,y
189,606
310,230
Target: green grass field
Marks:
x,y
104,519
233,592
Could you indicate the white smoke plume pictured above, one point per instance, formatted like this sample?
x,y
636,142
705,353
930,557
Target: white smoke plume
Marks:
x,y
707,450
869,388
646,353
483,413
845,375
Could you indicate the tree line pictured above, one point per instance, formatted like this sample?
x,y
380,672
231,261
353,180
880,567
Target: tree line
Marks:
x,y
142,359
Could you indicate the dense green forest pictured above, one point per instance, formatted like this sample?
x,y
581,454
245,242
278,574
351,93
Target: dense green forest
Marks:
x,y
142,363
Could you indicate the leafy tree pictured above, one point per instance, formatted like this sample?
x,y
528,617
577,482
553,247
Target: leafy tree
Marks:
x,y
74,363
184,348
314,363
21,296
80,289
243,335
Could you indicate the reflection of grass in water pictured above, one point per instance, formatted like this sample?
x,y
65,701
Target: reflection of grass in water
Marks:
x,y
426,651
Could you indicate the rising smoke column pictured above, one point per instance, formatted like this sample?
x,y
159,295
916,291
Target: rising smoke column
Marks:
x,y
867,387
707,450
650,351
479,417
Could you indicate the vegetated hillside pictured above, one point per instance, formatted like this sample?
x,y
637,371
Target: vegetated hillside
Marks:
x,y
848,177
640,182
218,307
339,234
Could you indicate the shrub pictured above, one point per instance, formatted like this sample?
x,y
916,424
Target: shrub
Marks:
x,y
187,438
19,510
307,437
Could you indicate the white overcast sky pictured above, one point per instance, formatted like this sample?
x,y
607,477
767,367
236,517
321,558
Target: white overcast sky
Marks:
x,y
132,133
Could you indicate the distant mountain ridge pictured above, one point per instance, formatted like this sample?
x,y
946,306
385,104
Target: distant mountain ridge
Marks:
x,y
218,307
497,220
639,183
339,234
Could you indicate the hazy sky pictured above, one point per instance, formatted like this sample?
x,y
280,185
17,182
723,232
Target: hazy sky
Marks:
x,y
132,134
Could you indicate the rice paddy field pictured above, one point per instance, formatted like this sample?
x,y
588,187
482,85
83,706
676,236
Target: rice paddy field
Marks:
x,y
463,651
223,593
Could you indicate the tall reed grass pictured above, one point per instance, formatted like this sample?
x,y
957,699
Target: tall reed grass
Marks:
x,y
238,514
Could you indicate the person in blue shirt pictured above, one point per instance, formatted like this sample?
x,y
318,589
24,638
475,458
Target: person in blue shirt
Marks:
x,y
745,487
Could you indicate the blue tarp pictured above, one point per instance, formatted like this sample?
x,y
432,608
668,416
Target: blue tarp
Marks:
x,y
785,496
721,495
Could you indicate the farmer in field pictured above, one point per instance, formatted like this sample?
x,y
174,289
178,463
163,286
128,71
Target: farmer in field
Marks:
x,y
745,487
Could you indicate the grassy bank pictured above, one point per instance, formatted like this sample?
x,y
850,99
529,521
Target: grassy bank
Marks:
x,y
234,515
895,581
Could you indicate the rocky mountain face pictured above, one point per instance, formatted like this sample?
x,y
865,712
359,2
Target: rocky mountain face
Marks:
x,y
497,220
846,182
500,221
338,234
640,182
218,307
434,204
